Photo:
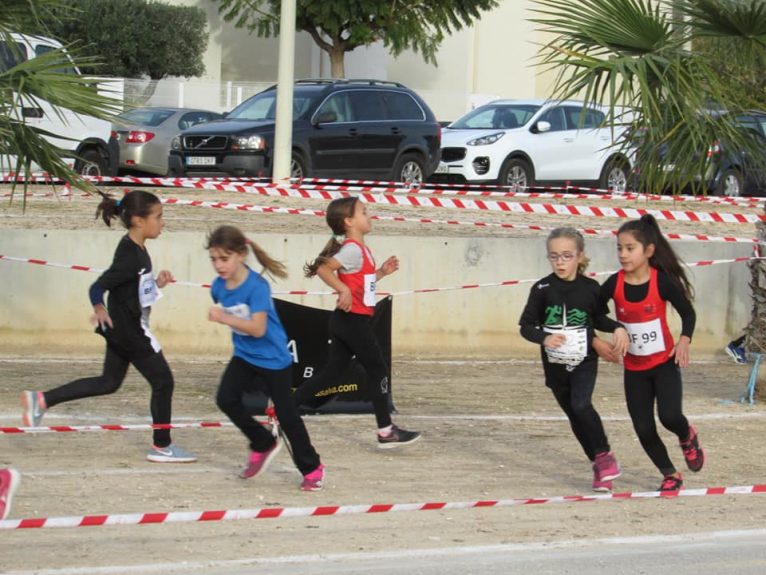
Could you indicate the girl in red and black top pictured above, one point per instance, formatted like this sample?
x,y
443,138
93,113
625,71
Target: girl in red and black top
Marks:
x,y
346,265
651,276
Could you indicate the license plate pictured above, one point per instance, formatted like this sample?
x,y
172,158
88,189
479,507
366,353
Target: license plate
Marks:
x,y
200,160
442,168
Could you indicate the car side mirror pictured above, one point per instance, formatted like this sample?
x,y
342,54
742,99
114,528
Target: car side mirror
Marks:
x,y
326,118
541,127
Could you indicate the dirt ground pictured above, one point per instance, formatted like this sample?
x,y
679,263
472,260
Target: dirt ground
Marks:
x,y
491,431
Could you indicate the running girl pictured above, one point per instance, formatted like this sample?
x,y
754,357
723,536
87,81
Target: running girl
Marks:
x,y
651,276
261,359
346,265
561,313
124,323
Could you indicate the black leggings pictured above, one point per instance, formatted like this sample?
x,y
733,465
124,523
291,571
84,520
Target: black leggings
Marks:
x,y
573,391
351,335
662,383
153,367
241,376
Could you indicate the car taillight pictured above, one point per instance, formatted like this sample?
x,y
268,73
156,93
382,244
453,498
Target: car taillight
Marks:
x,y
138,137
714,149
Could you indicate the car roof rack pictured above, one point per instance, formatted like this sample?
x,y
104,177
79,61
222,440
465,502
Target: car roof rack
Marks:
x,y
368,81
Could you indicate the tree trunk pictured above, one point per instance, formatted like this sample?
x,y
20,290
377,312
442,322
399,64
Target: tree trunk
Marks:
x,y
755,333
337,63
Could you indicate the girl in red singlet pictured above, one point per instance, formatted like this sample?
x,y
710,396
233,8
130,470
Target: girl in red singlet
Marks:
x,y
652,276
347,266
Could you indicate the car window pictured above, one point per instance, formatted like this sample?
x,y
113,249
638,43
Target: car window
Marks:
x,y
41,49
555,117
261,107
402,107
340,103
583,118
750,122
145,116
11,56
193,118
367,105
492,116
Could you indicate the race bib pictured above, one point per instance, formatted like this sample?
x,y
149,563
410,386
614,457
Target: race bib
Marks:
x,y
148,292
574,349
645,337
369,289
242,311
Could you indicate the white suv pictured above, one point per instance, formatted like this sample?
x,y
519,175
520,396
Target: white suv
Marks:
x,y
521,143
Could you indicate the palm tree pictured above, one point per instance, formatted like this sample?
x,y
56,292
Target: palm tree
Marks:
x,y
636,54
36,79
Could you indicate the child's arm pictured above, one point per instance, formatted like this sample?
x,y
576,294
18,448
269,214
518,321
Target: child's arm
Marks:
x,y
326,272
255,326
387,268
164,278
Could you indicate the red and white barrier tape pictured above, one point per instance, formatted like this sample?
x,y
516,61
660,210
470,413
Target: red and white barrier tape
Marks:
x,y
113,427
336,510
701,263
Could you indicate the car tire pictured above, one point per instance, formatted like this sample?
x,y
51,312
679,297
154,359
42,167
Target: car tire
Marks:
x,y
517,174
410,169
298,168
615,176
91,163
732,184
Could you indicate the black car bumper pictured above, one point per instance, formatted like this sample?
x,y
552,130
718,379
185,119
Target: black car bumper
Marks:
x,y
238,165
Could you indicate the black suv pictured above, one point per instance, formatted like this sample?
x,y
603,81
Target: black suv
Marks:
x,y
341,129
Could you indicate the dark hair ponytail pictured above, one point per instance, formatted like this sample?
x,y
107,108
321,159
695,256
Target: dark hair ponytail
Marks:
x,y
337,212
136,203
647,232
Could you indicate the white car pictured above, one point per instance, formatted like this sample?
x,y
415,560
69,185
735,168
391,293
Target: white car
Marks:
x,y
522,143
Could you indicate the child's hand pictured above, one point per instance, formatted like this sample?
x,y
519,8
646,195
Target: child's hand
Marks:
x,y
164,278
605,350
681,351
620,342
344,300
101,317
389,266
554,340
216,313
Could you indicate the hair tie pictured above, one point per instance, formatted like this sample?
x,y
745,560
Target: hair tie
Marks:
x,y
339,237
117,204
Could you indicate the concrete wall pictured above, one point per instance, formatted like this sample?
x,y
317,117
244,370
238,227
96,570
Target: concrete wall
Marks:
x,y
47,308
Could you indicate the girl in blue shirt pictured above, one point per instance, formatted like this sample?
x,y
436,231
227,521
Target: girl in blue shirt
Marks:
x,y
260,360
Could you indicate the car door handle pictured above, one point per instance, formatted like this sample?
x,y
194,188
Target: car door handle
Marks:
x,y
394,130
353,132
569,140
31,112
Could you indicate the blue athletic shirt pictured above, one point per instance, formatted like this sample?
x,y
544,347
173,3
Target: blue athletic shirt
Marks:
x,y
252,296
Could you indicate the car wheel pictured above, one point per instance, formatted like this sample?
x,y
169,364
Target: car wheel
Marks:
x,y
615,176
298,167
91,163
517,175
732,184
409,169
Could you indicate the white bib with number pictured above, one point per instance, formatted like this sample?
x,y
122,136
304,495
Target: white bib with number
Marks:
x,y
574,349
369,289
242,311
148,292
645,337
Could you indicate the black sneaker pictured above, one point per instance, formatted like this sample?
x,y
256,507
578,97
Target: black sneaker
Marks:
x,y
397,437
693,454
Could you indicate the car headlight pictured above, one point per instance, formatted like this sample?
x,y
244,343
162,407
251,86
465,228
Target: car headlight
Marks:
x,y
175,143
248,143
486,140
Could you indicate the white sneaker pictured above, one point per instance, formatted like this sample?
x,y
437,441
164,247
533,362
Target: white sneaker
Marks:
x,y
170,454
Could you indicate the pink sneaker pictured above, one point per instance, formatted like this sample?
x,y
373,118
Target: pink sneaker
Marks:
x,y
606,466
260,460
314,481
9,482
603,486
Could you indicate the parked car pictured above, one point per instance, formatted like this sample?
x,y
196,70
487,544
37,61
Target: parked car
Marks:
x,y
341,129
144,135
727,170
84,141
521,143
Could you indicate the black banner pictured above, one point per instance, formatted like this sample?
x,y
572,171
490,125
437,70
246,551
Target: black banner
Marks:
x,y
309,341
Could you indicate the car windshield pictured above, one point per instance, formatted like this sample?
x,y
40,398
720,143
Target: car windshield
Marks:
x,y
145,117
496,116
263,106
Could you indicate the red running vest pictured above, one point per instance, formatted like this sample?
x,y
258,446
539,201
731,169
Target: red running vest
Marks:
x,y
361,283
646,323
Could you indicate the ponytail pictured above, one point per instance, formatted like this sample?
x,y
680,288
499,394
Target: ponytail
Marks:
x,y
231,239
136,203
647,232
337,212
